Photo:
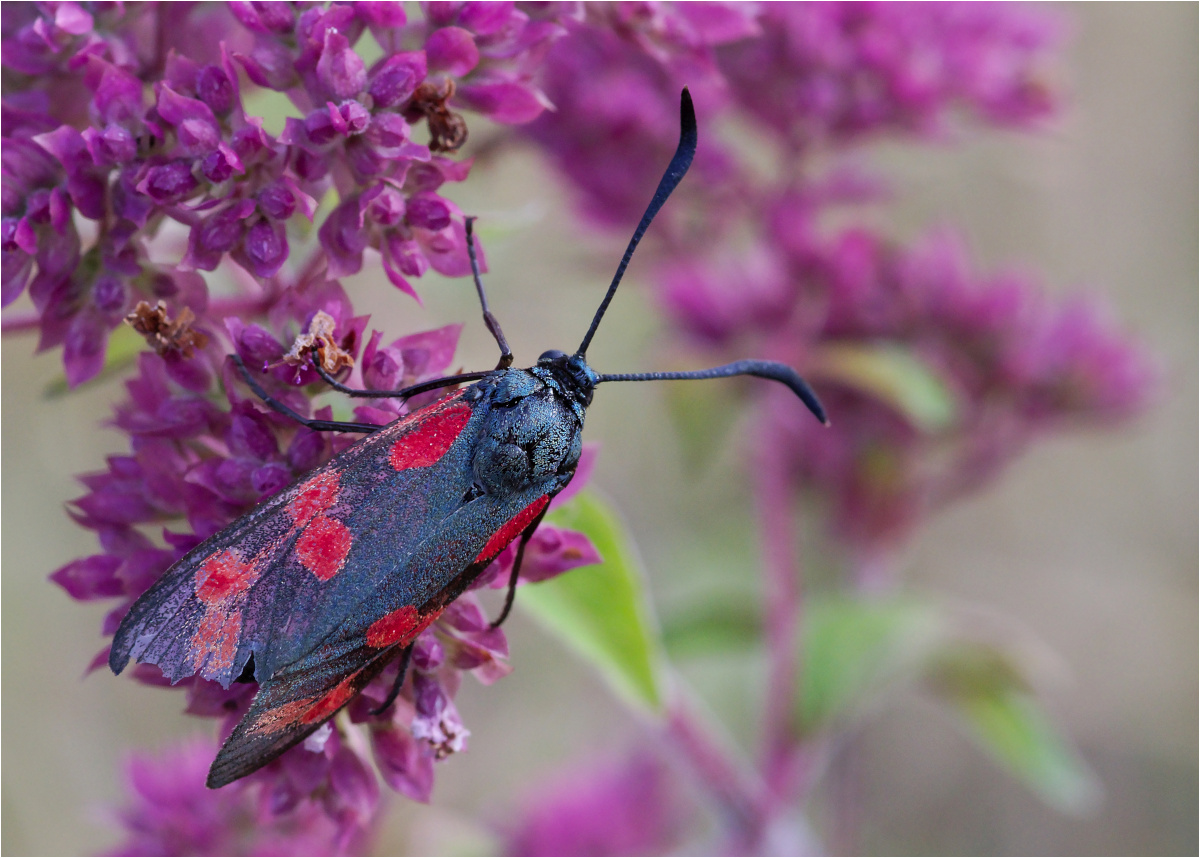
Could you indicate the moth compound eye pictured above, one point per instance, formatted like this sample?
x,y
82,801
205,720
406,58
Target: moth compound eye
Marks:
x,y
551,355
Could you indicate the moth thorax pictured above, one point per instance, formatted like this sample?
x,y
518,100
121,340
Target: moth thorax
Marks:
x,y
526,443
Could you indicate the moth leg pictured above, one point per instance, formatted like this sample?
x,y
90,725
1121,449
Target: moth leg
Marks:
x,y
405,658
526,535
276,405
506,355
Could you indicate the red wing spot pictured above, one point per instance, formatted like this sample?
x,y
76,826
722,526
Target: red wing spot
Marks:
x,y
430,438
323,546
331,702
315,497
400,626
280,717
513,528
216,640
223,576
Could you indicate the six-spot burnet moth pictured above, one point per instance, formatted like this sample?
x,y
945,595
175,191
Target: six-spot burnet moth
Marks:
x,y
318,589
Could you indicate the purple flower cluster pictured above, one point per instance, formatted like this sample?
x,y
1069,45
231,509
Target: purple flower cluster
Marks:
x,y
615,82
825,74
807,76
90,181
172,813
1012,366
631,808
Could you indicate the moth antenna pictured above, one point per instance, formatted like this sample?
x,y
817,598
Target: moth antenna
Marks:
x,y
506,355
680,161
768,369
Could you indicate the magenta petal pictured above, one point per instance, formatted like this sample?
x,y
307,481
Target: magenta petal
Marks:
x,y
632,808
446,250
553,551
387,207
405,764
114,145
209,240
388,136
344,238
465,616
396,278
91,577
265,248
406,255
83,349
60,210
264,17
507,103
64,143
277,200
15,268
451,49
70,18
429,352
250,435
254,344
396,79
336,120
483,19
194,122
341,70
168,182
192,374
306,450
180,73
215,89
24,236
380,367
428,653
437,720
118,93
428,211
381,14
716,23
354,792
355,117
270,66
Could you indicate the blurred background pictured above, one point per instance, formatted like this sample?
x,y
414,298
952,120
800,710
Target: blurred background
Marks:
x,y
1089,542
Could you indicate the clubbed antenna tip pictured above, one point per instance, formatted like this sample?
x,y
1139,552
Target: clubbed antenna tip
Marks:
x,y
680,161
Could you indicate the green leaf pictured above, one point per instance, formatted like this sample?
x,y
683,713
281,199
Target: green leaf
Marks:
x,y
723,626
854,649
893,374
603,612
124,345
988,692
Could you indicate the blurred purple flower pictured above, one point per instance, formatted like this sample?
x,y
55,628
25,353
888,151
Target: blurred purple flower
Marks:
x,y
173,813
615,81
1013,364
631,808
831,72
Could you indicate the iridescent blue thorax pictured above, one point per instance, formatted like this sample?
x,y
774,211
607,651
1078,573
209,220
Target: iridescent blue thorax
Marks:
x,y
532,423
